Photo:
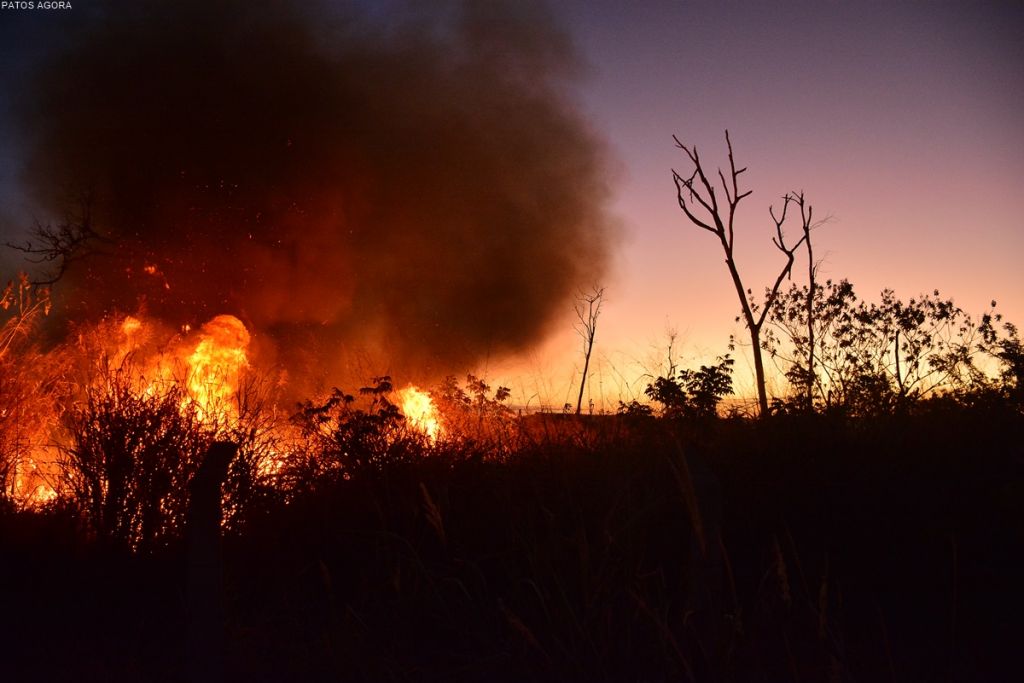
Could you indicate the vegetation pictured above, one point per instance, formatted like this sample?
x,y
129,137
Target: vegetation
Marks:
x,y
130,462
26,389
588,310
865,527
693,393
876,357
699,201
810,547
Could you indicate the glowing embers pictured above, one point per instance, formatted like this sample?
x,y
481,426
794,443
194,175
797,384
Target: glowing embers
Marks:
x,y
420,412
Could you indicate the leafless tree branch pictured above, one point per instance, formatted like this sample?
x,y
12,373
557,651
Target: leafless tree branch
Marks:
x,y
722,224
74,239
588,309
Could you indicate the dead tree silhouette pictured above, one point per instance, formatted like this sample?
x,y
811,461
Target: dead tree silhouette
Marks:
x,y
588,309
718,218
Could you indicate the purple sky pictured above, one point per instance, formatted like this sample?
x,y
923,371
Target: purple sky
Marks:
x,y
902,121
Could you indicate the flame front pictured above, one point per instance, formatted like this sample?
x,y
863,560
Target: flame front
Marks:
x,y
419,410
207,370
208,365
215,367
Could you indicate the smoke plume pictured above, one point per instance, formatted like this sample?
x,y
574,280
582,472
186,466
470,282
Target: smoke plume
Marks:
x,y
419,189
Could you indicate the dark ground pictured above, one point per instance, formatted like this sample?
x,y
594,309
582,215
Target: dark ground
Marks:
x,y
828,550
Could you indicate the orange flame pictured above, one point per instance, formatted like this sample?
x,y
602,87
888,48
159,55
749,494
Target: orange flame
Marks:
x,y
208,365
216,365
420,411
32,481
130,326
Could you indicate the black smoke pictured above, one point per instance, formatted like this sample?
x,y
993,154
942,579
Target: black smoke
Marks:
x,y
415,188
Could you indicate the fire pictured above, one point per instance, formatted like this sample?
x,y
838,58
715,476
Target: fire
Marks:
x,y
130,326
209,368
32,479
208,365
419,410
216,365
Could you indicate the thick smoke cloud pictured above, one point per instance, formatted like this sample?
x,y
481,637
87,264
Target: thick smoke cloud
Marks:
x,y
420,190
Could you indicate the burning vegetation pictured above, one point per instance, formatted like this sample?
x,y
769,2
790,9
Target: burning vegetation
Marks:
x,y
285,204
454,535
129,393
265,206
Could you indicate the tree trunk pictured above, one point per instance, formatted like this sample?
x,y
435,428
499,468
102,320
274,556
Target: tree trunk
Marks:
x,y
810,321
755,334
896,353
762,391
583,380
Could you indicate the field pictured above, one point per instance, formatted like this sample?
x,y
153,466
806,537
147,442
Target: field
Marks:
x,y
604,548
416,341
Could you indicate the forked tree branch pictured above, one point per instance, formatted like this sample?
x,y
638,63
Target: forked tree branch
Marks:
x,y
721,220
72,240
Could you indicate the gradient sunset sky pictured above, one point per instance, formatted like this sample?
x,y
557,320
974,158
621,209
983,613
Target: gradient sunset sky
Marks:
x,y
901,121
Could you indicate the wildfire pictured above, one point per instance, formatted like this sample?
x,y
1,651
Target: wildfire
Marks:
x,y
32,481
209,365
419,410
130,326
215,367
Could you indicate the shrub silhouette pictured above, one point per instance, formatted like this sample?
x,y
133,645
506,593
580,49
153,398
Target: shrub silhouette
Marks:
x,y
346,437
475,418
130,460
875,357
1003,343
692,393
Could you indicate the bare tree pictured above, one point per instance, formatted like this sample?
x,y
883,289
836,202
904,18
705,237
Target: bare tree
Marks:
x,y
806,225
588,308
72,240
696,195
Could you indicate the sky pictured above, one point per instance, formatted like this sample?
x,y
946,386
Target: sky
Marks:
x,y
900,121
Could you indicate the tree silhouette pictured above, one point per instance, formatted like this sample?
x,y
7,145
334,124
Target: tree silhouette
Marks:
x,y
59,246
588,309
806,214
874,357
718,218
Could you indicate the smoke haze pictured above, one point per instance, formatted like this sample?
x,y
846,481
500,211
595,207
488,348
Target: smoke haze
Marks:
x,y
421,191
